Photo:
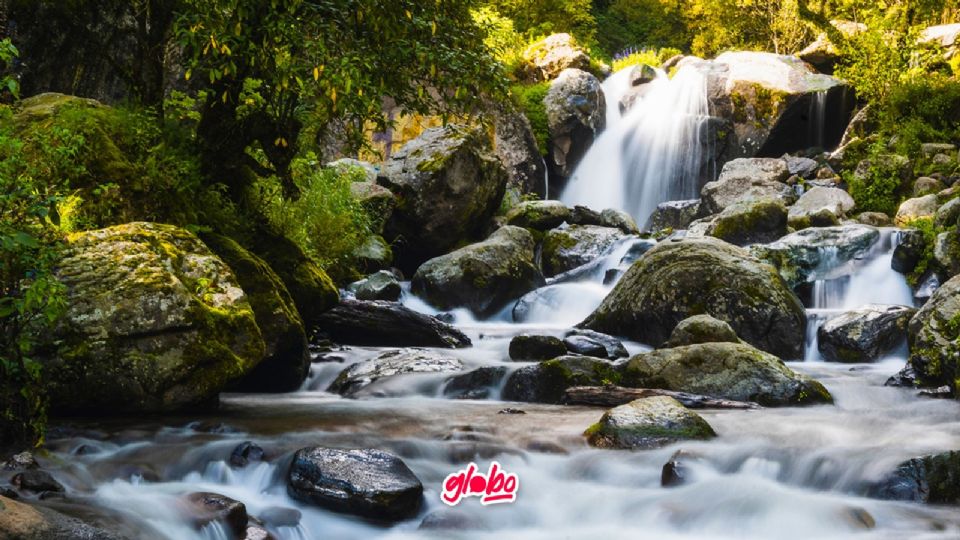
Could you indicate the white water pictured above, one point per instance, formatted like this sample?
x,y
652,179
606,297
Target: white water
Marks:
x,y
652,154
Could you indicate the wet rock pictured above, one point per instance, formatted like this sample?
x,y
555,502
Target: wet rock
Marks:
x,y
701,329
933,479
732,371
802,256
538,215
613,347
20,462
511,410
476,384
246,453
909,251
36,481
387,324
382,285
864,334
154,322
280,516
256,532
366,482
585,346
482,277
619,219
905,378
648,423
942,392
547,381
820,207
675,472
450,184
745,179
570,247
547,58
917,208
750,222
526,347
932,336
204,507
576,114
674,215
389,364
679,279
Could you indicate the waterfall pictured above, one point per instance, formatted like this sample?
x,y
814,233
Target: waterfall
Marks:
x,y
651,154
818,119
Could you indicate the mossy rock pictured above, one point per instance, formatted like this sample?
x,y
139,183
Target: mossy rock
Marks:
x,y
648,423
287,360
701,329
155,322
570,247
547,381
750,222
934,337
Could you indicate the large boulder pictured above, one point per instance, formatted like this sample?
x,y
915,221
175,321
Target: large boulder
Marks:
x,y
933,479
678,279
748,179
864,334
750,222
570,247
545,59
155,322
20,521
648,423
734,371
934,337
806,255
366,482
482,276
515,145
392,363
820,207
775,104
674,215
547,381
448,184
387,324
576,114
917,208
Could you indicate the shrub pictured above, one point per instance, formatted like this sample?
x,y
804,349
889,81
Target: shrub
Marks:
x,y
923,109
881,187
529,98
650,57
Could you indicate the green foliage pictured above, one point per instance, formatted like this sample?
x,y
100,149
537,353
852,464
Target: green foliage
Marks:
x,y
502,38
923,109
650,57
8,82
627,24
537,18
327,221
529,97
881,189
927,228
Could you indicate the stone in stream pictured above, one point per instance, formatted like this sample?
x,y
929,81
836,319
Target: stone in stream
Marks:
x,y
674,215
546,382
576,114
701,329
748,179
612,347
820,207
245,453
20,462
389,364
449,184
753,221
864,334
932,337
678,279
280,516
733,371
648,423
909,251
154,322
483,276
933,479
378,323
538,215
382,285
570,247
802,256
366,482
526,347
19,521
36,481
619,219
476,384
203,508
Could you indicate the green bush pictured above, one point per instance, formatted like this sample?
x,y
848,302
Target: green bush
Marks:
x,y
327,221
929,231
529,97
650,57
881,189
923,109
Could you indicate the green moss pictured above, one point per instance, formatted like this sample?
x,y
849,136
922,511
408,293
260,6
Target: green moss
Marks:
x,y
529,98
928,229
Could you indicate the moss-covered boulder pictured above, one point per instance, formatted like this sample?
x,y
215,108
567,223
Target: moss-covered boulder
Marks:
x,y
155,322
864,334
934,338
538,215
933,479
570,247
804,255
648,423
750,222
734,371
448,185
678,279
287,361
483,276
547,381
701,329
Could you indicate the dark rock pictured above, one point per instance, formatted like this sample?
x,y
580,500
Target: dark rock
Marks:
x,y
674,215
675,472
932,337
378,323
585,346
204,507
576,114
511,410
527,347
389,364
933,479
382,285
547,381
245,453
36,481
583,215
366,482
701,329
905,378
613,347
280,516
909,251
476,384
21,462
864,334
570,247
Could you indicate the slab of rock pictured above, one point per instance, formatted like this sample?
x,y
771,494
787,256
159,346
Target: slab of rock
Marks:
x,y
701,329
526,347
933,479
389,364
747,179
385,324
538,215
808,254
754,221
864,334
648,423
570,247
612,347
366,482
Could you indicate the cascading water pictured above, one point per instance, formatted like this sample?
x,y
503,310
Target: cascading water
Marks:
x,y
654,153
818,119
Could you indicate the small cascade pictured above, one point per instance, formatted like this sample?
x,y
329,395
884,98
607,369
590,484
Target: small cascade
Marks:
x,y
818,119
653,153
